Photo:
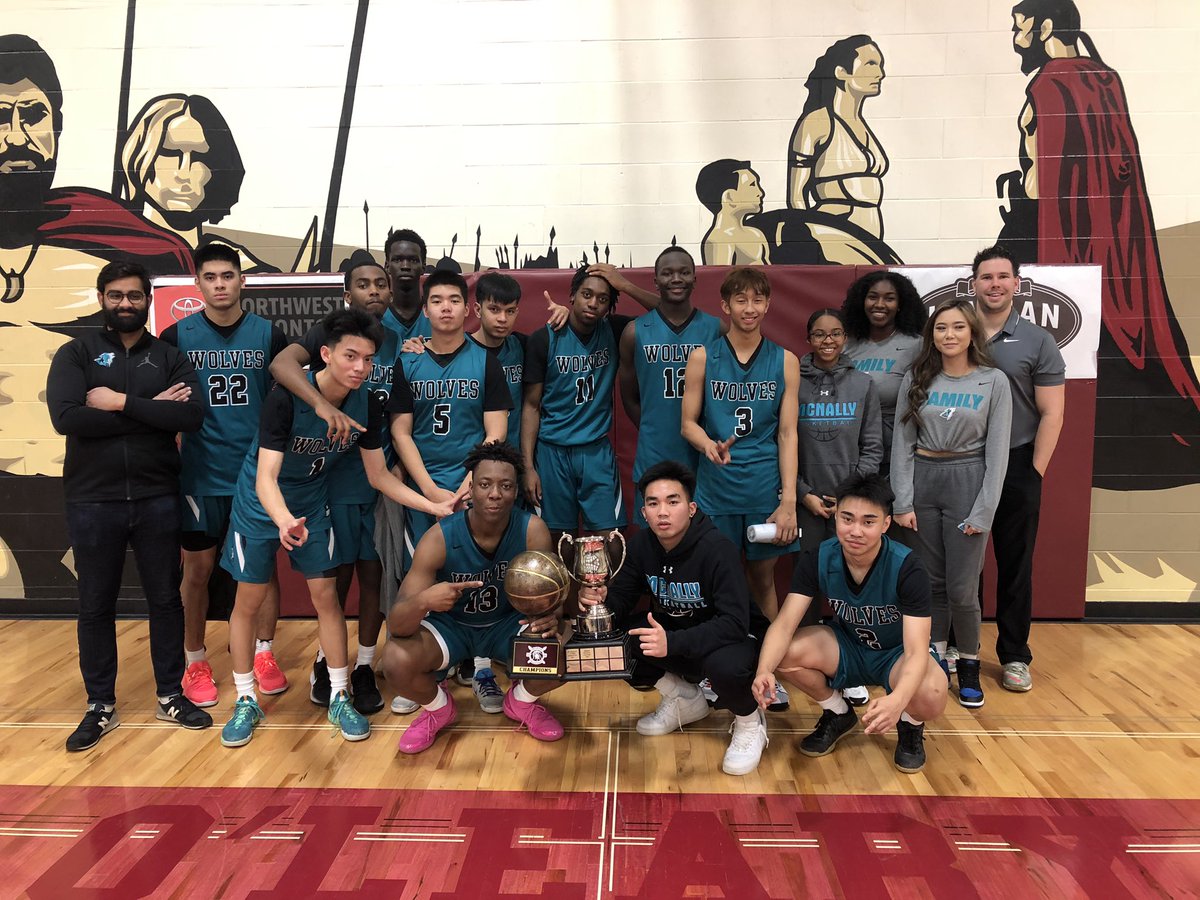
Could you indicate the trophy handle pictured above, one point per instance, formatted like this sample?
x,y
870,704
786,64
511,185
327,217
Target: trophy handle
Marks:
x,y
624,549
570,541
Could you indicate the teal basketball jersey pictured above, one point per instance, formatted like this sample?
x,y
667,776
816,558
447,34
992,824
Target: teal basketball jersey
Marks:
x,y
872,617
741,401
308,456
660,355
234,378
447,409
577,396
485,605
511,355
347,480
418,327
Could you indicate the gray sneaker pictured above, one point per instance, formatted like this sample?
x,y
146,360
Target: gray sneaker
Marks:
x,y
491,698
1016,677
951,660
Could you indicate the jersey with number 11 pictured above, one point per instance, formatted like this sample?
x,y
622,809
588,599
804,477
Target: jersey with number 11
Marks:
x,y
742,401
577,400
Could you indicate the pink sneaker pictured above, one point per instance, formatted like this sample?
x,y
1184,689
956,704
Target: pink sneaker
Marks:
x,y
198,684
420,734
533,716
267,673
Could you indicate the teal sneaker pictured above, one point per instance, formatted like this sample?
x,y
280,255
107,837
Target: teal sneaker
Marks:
x,y
353,724
240,728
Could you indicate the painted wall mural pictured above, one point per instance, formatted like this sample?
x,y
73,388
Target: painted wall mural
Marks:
x,y
874,133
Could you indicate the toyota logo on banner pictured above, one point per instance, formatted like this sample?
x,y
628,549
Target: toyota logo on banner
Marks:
x,y
185,306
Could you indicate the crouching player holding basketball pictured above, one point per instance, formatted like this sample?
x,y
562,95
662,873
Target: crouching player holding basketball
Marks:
x,y
282,498
452,604
880,596
701,622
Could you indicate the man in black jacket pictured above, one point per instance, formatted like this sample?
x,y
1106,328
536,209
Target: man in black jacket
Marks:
x,y
120,396
701,622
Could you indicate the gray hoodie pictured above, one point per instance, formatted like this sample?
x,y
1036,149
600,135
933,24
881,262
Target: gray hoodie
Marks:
x,y
841,429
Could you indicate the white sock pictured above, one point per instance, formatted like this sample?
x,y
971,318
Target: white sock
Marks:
x,y
320,654
940,647
962,655
243,685
519,693
753,718
482,663
339,678
836,703
671,685
163,699
905,717
366,655
439,700
263,646
194,656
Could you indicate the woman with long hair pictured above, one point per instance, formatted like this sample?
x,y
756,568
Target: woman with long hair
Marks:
x,y
949,457
884,319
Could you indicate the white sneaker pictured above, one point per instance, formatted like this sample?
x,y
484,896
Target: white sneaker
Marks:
x,y
951,660
673,713
857,696
402,706
746,745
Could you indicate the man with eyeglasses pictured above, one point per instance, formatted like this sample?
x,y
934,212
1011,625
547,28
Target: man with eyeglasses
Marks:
x,y
120,396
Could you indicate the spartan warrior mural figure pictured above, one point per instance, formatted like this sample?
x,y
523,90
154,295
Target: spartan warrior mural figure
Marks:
x,y
1080,197
53,243
729,189
182,166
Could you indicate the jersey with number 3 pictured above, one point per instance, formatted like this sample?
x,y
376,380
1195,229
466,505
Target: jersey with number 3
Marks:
x,y
872,616
660,355
234,378
741,401
308,456
466,561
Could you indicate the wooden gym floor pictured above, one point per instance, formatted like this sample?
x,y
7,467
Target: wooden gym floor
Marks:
x,y
1089,786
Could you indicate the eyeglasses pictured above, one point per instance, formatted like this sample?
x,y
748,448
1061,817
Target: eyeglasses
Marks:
x,y
820,337
134,297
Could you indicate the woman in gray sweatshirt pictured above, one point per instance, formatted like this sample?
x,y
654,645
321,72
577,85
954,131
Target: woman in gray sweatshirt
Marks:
x,y
949,456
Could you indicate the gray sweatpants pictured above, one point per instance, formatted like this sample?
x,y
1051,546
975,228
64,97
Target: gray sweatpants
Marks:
x,y
944,490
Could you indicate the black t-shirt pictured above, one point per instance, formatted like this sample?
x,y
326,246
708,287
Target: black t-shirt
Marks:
x,y
912,582
275,423
496,396
537,347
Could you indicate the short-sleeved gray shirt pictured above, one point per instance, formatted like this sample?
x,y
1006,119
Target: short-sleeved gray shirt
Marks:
x,y
1027,354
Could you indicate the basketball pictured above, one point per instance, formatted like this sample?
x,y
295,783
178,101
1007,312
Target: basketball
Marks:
x,y
536,582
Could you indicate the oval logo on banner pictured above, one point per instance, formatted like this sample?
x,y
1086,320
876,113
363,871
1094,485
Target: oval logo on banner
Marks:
x,y
1037,303
185,306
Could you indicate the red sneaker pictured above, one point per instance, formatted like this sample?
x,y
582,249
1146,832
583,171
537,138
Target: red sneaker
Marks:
x,y
198,684
533,716
267,673
420,734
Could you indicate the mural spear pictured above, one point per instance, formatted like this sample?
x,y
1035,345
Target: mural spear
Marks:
x,y
118,182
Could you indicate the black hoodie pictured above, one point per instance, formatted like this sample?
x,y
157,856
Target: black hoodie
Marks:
x,y
699,593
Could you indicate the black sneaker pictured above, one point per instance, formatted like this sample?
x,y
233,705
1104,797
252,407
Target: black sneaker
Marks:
x,y
97,722
970,692
910,748
318,691
182,711
831,728
367,698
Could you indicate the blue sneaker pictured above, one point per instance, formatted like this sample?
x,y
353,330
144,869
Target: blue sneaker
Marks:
x,y
353,724
240,728
970,692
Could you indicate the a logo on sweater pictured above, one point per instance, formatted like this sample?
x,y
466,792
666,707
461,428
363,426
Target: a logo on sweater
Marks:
x,y
105,359
947,413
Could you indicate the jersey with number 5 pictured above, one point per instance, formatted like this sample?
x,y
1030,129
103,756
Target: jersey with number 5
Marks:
x,y
660,355
465,561
292,427
234,378
741,400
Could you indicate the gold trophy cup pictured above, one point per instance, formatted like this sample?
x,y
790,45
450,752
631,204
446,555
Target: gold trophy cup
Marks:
x,y
597,649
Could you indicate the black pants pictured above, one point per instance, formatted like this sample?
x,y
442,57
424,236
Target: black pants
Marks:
x,y
730,669
1014,533
100,533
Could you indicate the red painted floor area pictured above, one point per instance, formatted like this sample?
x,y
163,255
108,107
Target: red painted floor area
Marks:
x,y
228,843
